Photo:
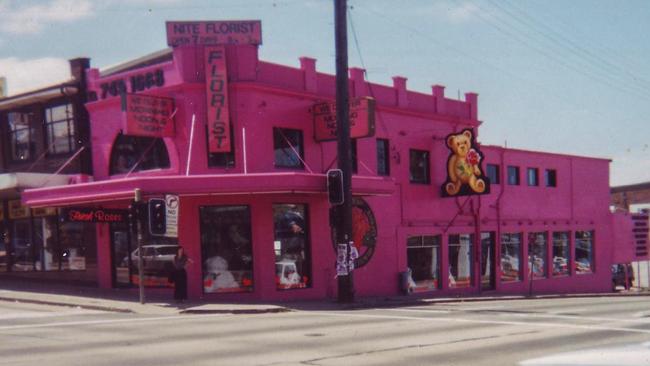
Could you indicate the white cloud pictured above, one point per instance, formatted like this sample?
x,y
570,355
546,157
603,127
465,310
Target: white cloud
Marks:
x,y
32,18
25,75
452,12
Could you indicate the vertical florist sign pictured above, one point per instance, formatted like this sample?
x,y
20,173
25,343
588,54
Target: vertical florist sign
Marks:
x,y
148,115
216,83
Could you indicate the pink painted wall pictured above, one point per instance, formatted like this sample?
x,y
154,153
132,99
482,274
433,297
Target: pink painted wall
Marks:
x,y
264,95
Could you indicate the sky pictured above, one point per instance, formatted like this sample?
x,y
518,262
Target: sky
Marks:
x,y
559,76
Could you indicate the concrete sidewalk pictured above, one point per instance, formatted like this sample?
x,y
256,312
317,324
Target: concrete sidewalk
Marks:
x,y
160,303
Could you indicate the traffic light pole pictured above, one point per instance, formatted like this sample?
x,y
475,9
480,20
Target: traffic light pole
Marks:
x,y
344,211
138,220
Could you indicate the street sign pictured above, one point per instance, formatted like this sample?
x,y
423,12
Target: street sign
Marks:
x,y
171,210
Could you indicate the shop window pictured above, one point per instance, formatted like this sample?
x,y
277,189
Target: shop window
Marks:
x,y
533,176
23,249
423,261
511,257
537,254
21,135
460,260
59,127
493,174
354,156
513,175
561,253
226,249
383,157
291,246
550,178
288,148
584,252
419,166
137,153
77,248
488,241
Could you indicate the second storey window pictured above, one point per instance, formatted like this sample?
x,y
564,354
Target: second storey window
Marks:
x,y
550,177
419,166
533,177
136,153
288,148
59,127
21,135
493,173
383,159
513,175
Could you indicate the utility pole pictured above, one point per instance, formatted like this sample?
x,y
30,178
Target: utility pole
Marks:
x,y
343,211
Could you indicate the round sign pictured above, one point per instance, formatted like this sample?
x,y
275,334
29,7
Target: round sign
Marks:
x,y
364,231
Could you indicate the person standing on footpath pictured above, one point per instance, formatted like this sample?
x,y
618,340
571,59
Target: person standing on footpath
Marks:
x,y
180,275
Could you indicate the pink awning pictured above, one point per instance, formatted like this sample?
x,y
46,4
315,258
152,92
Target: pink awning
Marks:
x,y
223,184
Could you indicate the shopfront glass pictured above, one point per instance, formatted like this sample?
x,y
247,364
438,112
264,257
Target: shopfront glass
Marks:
x,y
77,245
23,250
488,240
291,246
423,261
561,253
537,257
511,257
460,260
584,252
226,249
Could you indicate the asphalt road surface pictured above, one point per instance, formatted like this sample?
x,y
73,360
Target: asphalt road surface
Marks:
x,y
599,331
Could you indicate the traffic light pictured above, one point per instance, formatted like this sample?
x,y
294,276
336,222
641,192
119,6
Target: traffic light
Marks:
x,y
157,216
335,186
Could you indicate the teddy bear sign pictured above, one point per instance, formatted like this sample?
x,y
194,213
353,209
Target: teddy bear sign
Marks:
x,y
464,174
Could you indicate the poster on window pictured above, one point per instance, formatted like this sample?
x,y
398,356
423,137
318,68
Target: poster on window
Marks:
x,y
464,172
216,84
148,115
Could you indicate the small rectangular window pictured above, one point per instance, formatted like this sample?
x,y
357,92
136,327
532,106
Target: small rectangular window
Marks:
x,y
288,148
59,123
419,166
21,135
533,177
383,157
550,177
513,175
493,174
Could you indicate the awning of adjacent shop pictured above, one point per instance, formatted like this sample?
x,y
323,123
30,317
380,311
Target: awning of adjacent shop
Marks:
x,y
12,184
103,192
48,93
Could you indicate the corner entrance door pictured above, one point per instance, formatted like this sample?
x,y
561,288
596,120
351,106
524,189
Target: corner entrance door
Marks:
x,y
120,250
488,264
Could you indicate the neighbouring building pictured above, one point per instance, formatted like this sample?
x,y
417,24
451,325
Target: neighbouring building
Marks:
x,y
45,142
239,149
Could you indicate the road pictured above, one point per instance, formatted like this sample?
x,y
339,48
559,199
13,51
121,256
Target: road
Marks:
x,y
473,333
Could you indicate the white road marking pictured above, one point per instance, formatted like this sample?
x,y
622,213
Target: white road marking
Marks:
x,y
110,321
481,321
36,314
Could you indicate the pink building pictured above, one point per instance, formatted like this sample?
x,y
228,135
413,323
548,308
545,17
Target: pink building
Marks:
x,y
255,217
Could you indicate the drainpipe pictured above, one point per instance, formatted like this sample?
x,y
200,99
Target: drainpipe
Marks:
x,y
479,242
498,208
